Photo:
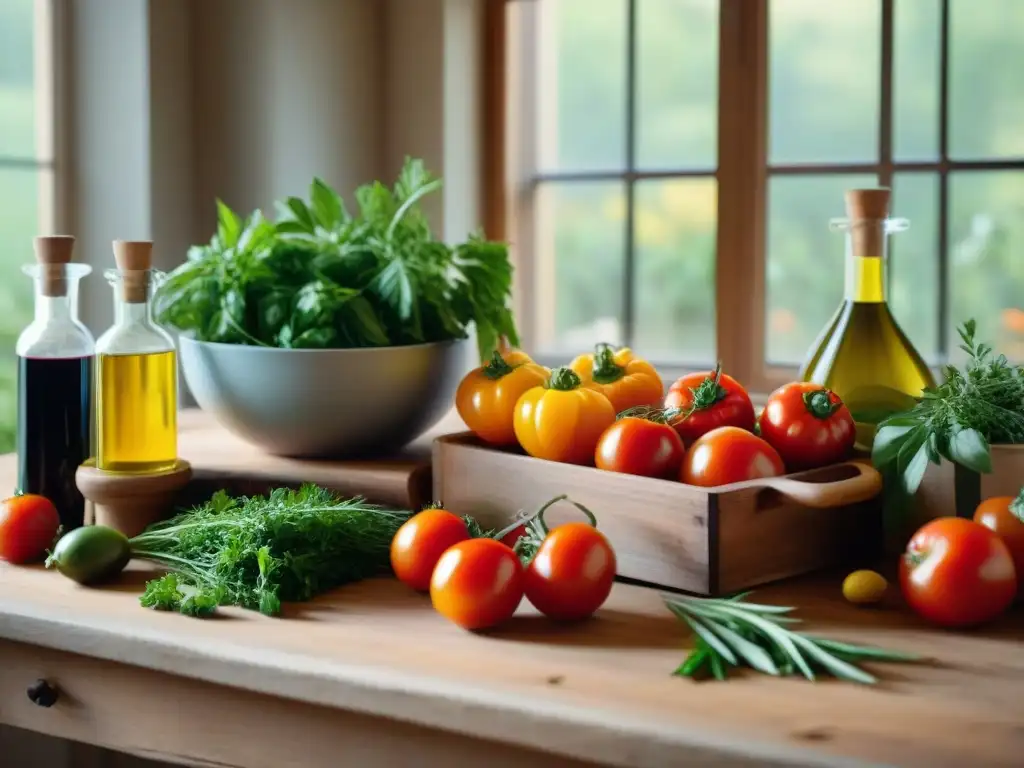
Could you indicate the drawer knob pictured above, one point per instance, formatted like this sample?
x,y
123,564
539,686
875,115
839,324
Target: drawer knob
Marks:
x,y
42,693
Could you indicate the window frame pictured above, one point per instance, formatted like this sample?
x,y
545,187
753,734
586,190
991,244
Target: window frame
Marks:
x,y
742,173
50,155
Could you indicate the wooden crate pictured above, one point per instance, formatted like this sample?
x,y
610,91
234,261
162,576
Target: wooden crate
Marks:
x,y
949,490
676,536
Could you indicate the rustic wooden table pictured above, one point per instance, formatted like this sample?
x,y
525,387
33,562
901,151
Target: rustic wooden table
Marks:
x,y
370,676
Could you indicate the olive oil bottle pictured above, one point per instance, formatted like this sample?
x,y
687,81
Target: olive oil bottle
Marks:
x,y
136,373
862,354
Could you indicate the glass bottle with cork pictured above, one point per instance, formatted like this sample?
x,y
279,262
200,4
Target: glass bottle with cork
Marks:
x,y
55,371
136,364
862,354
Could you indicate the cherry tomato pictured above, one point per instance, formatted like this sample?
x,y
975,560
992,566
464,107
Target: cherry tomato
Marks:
x,y
957,573
729,455
510,538
28,526
808,425
707,401
477,584
639,446
420,542
572,572
1005,516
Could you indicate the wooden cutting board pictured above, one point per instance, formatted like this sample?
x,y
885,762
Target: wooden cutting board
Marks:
x,y
221,460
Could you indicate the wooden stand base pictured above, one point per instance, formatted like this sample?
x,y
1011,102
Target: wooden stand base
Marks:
x,y
130,502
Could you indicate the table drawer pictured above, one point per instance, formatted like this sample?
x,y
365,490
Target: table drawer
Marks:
x,y
178,720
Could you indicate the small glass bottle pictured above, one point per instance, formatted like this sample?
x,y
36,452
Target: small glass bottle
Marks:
x,y
862,354
55,370
137,373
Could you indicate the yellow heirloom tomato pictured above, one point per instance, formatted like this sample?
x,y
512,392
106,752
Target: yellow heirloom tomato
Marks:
x,y
562,420
487,396
625,379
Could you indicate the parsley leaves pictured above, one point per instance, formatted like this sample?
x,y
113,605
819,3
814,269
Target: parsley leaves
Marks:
x,y
321,277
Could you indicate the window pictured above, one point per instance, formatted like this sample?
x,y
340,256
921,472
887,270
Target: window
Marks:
x,y
26,176
672,166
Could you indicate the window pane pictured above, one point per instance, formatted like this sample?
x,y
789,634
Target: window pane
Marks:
x,y
986,99
674,292
914,260
581,81
579,265
805,260
17,102
824,81
18,217
986,272
916,62
677,83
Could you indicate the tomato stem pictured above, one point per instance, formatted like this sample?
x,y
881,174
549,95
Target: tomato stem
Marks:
x,y
536,526
819,403
1017,506
497,367
563,379
708,392
606,370
432,505
648,413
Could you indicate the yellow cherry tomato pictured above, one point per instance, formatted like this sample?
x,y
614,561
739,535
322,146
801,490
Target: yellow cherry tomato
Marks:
x,y
487,396
562,420
625,379
864,587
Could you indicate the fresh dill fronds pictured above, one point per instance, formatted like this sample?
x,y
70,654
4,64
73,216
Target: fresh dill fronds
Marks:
x,y
257,552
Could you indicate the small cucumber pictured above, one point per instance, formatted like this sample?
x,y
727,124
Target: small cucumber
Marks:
x,y
91,554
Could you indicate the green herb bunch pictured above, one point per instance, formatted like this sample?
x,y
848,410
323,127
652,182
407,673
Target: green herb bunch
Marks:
x,y
321,277
732,633
974,408
256,552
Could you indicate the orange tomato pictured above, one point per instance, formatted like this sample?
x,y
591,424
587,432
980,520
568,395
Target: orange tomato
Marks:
x,y
1005,516
28,525
477,584
729,455
486,397
626,380
562,420
572,572
420,542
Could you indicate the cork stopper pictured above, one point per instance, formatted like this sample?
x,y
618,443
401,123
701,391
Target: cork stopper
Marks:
x,y
867,210
53,253
134,260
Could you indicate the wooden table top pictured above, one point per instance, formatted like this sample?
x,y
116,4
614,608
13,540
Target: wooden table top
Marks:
x,y
601,690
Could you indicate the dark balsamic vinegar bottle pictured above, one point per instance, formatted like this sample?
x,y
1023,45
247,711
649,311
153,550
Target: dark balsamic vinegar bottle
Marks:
x,y
55,370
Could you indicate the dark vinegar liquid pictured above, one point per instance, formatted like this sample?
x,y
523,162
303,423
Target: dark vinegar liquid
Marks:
x,y
54,410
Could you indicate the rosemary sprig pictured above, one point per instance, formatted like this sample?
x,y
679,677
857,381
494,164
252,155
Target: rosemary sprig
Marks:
x,y
733,633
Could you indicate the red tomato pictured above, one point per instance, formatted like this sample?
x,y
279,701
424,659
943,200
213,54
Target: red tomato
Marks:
x,y
729,455
808,425
28,527
510,538
420,542
572,572
639,446
1005,516
957,573
707,401
477,584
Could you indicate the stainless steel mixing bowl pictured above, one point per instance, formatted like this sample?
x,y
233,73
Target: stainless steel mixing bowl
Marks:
x,y
325,402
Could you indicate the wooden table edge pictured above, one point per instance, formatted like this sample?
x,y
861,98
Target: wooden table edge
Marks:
x,y
572,731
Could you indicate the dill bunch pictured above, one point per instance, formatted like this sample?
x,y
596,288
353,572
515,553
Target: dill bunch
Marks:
x,y
975,407
257,552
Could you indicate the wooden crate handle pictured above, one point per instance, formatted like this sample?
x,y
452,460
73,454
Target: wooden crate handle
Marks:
x,y
864,485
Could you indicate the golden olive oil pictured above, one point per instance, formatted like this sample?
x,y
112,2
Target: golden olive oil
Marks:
x,y
137,412
862,354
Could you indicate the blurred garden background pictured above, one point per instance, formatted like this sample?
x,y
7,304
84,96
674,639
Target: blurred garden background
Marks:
x,y
824,103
